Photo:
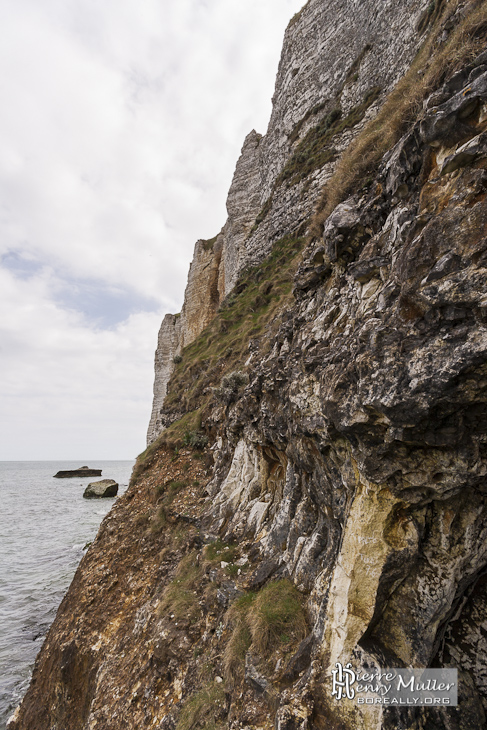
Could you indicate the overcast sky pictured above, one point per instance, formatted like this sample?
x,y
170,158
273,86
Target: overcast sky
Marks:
x,y
120,125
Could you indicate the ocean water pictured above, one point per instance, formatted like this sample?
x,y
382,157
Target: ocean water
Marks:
x,y
45,525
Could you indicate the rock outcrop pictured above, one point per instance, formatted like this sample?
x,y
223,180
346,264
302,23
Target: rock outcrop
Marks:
x,y
103,488
318,496
83,471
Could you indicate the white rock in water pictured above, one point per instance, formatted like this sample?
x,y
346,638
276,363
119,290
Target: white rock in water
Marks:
x,y
14,717
103,488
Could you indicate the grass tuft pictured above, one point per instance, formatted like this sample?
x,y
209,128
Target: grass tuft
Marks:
x,y
430,68
180,598
203,709
240,639
276,616
219,550
264,621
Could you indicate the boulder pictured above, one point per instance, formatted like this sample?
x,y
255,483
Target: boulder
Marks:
x,y
103,488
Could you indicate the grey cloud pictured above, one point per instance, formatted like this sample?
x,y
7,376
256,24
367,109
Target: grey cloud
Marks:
x,y
120,127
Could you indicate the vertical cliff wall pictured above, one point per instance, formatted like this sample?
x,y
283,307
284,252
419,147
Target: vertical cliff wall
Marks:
x,y
318,496
336,55
204,292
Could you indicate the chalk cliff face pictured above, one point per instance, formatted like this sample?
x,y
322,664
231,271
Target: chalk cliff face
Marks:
x,y
318,492
204,293
334,54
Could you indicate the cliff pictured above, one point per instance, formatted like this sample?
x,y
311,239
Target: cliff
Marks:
x,y
316,494
339,61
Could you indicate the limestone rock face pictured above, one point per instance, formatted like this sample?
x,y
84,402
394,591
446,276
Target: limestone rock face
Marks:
x,y
243,204
204,293
103,488
334,53
168,346
372,420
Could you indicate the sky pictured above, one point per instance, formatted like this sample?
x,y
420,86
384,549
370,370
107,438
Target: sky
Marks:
x,y
120,126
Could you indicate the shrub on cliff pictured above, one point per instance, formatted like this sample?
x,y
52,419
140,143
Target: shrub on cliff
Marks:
x,y
195,439
230,386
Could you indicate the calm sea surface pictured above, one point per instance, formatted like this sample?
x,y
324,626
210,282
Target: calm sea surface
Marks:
x,y
44,526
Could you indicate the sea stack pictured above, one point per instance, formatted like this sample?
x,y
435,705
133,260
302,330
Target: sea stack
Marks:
x,y
83,471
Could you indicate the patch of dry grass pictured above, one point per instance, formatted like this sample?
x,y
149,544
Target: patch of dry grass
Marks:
x,y
265,620
222,347
277,616
430,68
180,598
217,551
241,637
203,709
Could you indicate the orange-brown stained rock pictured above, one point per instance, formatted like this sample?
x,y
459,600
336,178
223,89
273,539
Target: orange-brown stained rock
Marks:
x,y
97,663
112,659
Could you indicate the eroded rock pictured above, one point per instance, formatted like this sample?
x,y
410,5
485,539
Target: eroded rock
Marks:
x,y
103,488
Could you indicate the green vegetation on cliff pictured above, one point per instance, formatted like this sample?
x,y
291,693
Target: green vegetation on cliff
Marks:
x,y
347,492
265,620
315,149
435,62
247,314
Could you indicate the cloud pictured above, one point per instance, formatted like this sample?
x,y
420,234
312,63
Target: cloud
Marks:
x,y
69,389
120,127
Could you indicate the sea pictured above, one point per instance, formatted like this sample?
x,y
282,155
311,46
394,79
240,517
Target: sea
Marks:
x,y
45,528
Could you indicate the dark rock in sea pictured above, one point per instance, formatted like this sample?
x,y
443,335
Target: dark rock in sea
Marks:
x,y
83,471
103,488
